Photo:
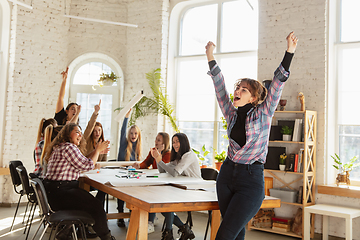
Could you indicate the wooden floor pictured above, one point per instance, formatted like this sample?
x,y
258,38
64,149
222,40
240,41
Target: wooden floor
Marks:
x,y
199,219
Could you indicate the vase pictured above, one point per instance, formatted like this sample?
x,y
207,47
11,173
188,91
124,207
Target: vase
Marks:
x,y
282,104
107,83
286,137
282,167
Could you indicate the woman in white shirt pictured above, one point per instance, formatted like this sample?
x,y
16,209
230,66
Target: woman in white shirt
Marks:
x,y
183,162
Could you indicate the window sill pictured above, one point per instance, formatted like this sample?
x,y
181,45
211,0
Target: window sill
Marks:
x,y
342,190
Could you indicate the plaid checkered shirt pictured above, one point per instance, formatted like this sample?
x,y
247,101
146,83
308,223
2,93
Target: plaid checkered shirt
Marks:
x,y
258,120
66,162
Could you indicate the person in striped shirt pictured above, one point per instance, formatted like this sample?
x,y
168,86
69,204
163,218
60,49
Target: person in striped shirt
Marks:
x,y
240,183
65,162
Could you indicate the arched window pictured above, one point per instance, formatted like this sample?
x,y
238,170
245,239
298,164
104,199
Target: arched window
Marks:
x,y
233,27
85,90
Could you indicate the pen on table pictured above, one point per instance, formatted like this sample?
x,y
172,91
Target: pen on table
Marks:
x,y
153,176
121,176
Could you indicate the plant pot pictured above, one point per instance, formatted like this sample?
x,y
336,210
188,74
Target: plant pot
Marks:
x,y
343,178
218,165
107,83
203,166
286,137
282,167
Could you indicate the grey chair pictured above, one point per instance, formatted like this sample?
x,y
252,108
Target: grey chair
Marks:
x,y
58,218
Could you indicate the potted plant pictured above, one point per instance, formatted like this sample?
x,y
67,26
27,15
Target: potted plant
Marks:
x,y
282,160
219,159
107,79
201,155
344,169
286,131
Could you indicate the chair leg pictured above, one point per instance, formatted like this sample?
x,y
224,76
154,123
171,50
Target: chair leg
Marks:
x,y
107,203
83,233
31,220
28,222
17,208
27,205
42,234
74,232
207,225
37,230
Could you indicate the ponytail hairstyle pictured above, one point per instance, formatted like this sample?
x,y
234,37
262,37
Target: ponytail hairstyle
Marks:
x,y
184,146
47,141
166,142
256,89
43,124
62,137
129,145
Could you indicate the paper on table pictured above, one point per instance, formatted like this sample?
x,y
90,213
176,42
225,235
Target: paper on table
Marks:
x,y
133,101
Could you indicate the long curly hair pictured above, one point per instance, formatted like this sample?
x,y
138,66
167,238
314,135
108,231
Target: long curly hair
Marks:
x,y
62,137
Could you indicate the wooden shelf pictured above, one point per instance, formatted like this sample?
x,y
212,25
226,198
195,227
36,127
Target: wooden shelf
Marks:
x,y
274,231
299,112
279,141
279,171
291,203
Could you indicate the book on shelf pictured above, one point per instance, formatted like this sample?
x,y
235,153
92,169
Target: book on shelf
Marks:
x,y
281,229
300,160
290,162
281,224
281,219
296,167
297,130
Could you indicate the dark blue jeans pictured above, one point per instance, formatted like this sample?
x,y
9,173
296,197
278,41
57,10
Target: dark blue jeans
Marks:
x,y
170,219
240,191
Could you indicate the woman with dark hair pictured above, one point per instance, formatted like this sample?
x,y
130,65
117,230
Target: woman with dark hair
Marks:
x,y
184,162
62,116
65,163
240,183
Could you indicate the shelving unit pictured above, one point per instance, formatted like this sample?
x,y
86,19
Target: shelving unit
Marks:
x,y
309,166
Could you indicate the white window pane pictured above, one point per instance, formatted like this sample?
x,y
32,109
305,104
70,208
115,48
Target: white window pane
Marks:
x,y
350,19
87,102
349,86
239,26
349,141
234,68
195,92
89,73
198,27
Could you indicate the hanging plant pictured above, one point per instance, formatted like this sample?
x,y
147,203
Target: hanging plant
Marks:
x,y
107,79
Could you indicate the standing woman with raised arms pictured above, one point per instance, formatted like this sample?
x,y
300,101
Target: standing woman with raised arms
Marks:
x,y
240,184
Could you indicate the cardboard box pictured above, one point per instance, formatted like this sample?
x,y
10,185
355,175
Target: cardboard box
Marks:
x,y
285,195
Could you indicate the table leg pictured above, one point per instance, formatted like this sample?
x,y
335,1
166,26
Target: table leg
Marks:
x,y
138,224
215,223
348,228
306,224
325,227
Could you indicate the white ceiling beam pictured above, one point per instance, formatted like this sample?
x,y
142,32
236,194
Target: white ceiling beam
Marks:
x,y
101,21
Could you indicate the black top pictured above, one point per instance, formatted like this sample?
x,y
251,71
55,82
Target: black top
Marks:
x,y
238,132
60,117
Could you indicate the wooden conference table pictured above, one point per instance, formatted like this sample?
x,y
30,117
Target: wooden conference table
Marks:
x,y
150,197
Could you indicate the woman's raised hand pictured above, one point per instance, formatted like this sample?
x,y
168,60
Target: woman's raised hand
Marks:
x,y
128,113
291,42
97,107
65,73
210,46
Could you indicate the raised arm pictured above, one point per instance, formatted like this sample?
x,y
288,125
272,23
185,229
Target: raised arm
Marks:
x,y
100,147
60,101
91,124
75,118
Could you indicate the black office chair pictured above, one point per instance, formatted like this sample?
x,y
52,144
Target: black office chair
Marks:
x,y
29,192
209,174
58,218
16,183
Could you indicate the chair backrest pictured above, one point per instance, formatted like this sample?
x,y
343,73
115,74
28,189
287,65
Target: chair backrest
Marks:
x,y
15,178
41,197
25,181
209,173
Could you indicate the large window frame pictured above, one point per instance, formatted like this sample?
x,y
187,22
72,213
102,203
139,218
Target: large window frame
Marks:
x,y
175,58
338,47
